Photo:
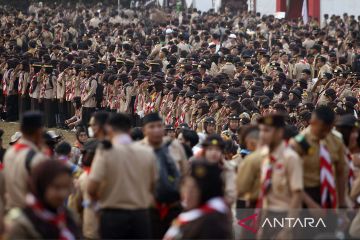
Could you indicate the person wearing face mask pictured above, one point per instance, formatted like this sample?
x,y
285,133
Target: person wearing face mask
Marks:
x,y
172,162
44,215
96,127
21,157
202,189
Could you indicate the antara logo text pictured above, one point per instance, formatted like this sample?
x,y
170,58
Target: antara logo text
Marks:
x,y
280,222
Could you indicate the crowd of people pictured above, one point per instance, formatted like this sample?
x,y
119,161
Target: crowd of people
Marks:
x,y
182,119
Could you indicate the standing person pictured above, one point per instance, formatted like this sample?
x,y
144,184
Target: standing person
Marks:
x,y
172,162
23,88
34,88
281,176
21,157
47,95
10,89
130,172
60,94
317,144
44,215
89,98
207,216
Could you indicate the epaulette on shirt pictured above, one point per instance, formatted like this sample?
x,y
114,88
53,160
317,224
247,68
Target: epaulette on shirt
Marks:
x,y
105,145
303,143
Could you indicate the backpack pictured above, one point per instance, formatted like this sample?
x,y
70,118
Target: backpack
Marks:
x,y
167,187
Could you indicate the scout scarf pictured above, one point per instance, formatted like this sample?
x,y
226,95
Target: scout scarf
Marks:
x,y
327,180
32,83
58,219
350,163
266,180
7,75
216,204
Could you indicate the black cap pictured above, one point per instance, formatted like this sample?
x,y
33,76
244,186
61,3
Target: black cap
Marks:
x,y
234,117
214,140
347,120
210,120
151,117
183,126
33,120
273,120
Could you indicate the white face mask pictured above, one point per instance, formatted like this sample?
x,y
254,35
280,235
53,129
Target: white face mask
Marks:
x,y
91,132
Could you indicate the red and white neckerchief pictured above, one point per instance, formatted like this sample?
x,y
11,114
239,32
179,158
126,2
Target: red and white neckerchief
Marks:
x,y
150,107
20,83
303,61
350,163
327,180
59,219
216,204
266,174
43,87
68,90
168,119
5,82
33,79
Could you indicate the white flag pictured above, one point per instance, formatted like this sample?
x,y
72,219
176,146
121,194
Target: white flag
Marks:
x,y
304,12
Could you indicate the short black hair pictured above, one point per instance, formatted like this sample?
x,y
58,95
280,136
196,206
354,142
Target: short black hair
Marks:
x,y
63,148
191,136
137,134
325,114
101,117
120,122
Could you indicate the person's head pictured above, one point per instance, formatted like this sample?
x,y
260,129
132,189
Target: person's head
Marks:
x,y
63,149
348,126
50,183
249,137
118,123
322,121
81,134
210,125
88,152
321,61
97,125
202,184
170,131
137,134
271,129
234,122
153,128
213,147
77,102
188,137
32,127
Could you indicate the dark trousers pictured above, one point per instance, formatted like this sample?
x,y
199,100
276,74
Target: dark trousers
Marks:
x,y
69,109
12,108
124,224
86,115
24,104
60,114
49,112
34,104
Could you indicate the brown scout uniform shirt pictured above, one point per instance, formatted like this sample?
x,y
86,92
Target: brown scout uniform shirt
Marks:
x,y
127,174
287,177
311,159
16,174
